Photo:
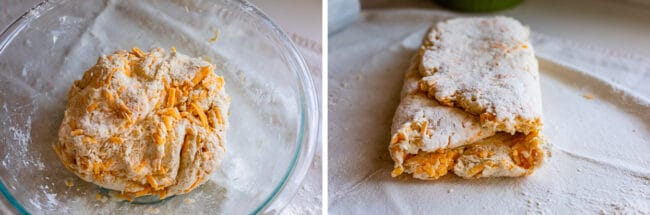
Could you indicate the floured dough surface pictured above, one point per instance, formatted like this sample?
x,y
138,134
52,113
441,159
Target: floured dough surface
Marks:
x,y
145,123
470,104
487,67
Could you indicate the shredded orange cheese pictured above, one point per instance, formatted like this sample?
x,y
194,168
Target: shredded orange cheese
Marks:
x,y
140,166
423,127
89,139
142,192
117,140
221,82
127,69
185,114
73,124
165,83
196,183
107,164
124,196
207,81
163,170
168,123
77,132
96,168
126,116
173,112
397,171
199,111
212,119
152,182
91,107
171,97
109,77
217,112
158,138
433,164
203,72
474,171
163,194
185,89
122,88
108,95
173,49
137,52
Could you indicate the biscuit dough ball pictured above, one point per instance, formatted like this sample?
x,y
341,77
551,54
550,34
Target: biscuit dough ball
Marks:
x,y
145,123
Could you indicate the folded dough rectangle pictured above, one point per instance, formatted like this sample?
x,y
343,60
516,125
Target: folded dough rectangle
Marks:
x,y
471,103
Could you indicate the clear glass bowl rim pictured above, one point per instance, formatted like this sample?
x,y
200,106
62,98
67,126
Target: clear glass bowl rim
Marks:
x,y
307,101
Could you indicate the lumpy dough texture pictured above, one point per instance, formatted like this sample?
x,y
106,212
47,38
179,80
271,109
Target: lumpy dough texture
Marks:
x,y
145,123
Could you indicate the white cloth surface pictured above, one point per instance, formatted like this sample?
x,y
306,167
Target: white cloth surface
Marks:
x,y
366,65
306,35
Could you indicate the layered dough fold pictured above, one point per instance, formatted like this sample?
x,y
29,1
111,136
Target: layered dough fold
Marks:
x,y
471,103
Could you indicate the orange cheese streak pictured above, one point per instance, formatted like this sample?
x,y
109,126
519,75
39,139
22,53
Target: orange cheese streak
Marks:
x,y
73,125
115,140
139,167
96,166
89,140
77,132
165,83
217,112
124,196
221,82
127,65
107,164
152,182
168,122
122,88
171,97
137,52
203,72
158,138
163,194
163,170
142,192
91,107
196,183
109,77
476,170
199,111
108,96
127,71
173,112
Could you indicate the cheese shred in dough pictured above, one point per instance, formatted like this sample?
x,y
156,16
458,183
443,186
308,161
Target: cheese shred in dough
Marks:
x,y
123,128
471,103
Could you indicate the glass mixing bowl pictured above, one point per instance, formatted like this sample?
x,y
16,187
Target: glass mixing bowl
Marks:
x,y
273,115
